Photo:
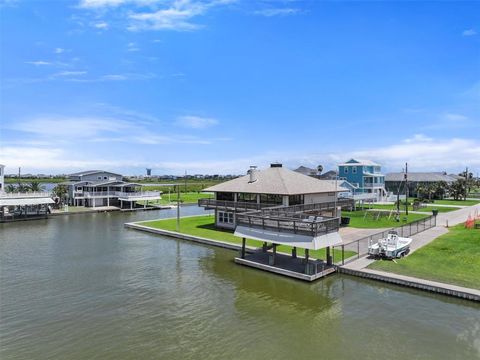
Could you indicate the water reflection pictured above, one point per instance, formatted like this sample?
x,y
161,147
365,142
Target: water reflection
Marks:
x,y
79,287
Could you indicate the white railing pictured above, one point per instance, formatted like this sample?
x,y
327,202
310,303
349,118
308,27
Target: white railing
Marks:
x,y
373,185
33,194
144,194
90,194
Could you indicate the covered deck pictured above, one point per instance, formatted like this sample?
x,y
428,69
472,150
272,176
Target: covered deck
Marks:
x,y
25,206
300,226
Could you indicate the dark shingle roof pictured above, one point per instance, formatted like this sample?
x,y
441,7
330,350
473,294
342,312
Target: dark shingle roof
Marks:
x,y
421,177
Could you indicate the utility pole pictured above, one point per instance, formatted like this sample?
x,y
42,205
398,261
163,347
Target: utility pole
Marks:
x,y
185,181
178,207
406,188
466,182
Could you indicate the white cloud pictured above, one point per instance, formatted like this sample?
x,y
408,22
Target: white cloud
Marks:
x,y
72,127
469,32
427,154
277,12
101,3
168,19
196,122
452,121
38,63
155,14
421,152
70,73
131,46
101,25
59,50
115,77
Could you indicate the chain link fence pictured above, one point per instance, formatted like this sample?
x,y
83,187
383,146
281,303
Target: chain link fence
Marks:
x,y
360,246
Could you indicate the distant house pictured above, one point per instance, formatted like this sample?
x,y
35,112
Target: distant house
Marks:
x,y
95,188
329,175
394,181
274,186
365,176
306,171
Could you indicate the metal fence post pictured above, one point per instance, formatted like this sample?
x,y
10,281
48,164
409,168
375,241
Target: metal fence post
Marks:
x,y
358,249
343,254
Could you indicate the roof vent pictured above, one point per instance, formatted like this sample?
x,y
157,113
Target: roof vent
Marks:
x,y
253,174
275,165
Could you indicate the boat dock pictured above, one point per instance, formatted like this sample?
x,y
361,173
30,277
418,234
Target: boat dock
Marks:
x,y
286,265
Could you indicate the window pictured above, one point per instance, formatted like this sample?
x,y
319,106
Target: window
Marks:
x,y
246,197
271,199
345,169
225,196
105,177
225,217
295,200
354,170
99,178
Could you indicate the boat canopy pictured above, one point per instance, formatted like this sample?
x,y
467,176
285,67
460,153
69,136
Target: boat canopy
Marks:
x,y
25,201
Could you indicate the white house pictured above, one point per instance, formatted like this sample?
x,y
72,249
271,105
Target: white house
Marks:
x,y
95,188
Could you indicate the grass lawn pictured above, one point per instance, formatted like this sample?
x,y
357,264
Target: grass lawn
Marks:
x,y
453,258
427,209
203,226
357,220
185,198
456,202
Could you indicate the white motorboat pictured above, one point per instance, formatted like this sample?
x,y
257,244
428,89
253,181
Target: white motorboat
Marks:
x,y
393,246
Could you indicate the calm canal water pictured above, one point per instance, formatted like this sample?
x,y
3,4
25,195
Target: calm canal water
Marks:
x,y
83,287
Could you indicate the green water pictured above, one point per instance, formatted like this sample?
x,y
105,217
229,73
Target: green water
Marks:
x,y
83,287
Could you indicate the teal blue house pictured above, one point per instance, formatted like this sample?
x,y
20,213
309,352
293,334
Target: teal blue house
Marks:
x,y
365,175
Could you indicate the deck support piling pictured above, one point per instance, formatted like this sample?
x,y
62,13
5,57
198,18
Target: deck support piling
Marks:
x,y
274,247
329,256
294,252
307,254
243,248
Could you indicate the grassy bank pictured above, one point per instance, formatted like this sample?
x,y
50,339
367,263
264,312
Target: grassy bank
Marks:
x,y
456,202
203,226
358,219
188,187
453,258
185,198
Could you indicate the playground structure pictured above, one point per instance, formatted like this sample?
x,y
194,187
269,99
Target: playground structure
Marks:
x,y
377,215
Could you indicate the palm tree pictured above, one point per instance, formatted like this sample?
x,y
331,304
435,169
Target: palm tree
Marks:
x,y
61,191
35,186
10,188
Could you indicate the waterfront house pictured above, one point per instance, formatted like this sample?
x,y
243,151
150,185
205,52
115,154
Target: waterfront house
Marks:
x,y
365,176
94,188
259,189
394,182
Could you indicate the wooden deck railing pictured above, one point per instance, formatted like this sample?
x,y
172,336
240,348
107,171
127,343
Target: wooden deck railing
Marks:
x,y
232,205
306,225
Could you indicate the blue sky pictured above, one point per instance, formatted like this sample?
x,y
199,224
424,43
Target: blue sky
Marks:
x,y
214,86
